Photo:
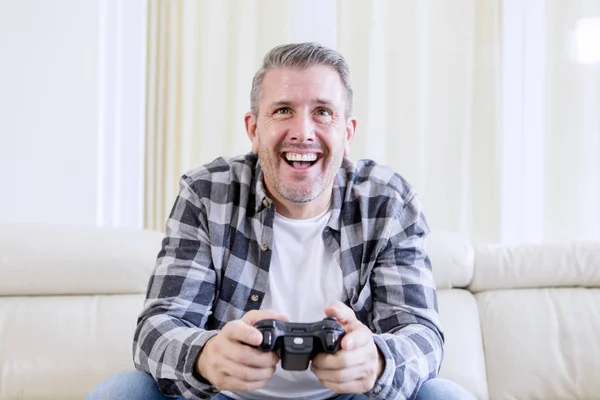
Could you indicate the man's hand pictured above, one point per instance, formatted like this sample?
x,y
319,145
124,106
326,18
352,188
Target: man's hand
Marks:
x,y
358,364
229,362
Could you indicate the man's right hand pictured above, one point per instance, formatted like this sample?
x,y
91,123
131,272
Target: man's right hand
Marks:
x,y
229,362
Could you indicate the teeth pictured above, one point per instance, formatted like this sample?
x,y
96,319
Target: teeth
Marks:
x,y
300,157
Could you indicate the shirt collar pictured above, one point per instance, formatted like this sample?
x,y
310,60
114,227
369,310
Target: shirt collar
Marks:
x,y
340,186
261,200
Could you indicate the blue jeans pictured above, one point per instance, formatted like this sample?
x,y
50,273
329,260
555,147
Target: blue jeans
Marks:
x,y
136,385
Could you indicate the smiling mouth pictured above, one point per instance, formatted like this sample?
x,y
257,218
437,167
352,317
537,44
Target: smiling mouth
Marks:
x,y
301,161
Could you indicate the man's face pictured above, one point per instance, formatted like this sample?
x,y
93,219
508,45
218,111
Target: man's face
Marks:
x,y
301,132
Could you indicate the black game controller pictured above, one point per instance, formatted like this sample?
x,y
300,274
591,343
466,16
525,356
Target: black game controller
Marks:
x,y
297,343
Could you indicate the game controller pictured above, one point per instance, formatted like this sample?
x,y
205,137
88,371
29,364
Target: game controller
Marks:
x,y
297,343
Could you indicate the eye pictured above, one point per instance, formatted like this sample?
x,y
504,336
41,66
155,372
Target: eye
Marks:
x,y
282,111
323,112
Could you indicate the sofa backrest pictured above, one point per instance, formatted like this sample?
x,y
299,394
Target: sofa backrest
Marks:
x,y
539,308
69,299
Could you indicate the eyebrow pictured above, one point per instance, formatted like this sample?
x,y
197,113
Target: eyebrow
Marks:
x,y
324,102
286,103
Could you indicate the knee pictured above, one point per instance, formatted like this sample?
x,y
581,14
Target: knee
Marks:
x,y
130,385
443,389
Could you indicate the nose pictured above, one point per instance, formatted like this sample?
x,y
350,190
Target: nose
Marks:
x,y
302,129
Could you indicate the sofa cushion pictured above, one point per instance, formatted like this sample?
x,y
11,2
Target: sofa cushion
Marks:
x,y
60,347
70,260
541,343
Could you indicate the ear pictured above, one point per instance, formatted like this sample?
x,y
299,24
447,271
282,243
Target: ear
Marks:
x,y
250,122
350,131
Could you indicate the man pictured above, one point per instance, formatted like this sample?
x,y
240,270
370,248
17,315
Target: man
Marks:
x,y
292,231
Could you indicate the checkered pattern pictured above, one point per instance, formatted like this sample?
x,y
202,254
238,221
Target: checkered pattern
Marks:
x,y
214,264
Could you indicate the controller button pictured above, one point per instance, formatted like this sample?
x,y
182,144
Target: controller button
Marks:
x,y
267,342
330,340
298,344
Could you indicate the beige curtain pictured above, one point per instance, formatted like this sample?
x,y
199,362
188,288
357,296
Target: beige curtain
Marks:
x,y
426,77
429,88
201,59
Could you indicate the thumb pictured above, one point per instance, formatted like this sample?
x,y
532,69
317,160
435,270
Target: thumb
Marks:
x,y
344,314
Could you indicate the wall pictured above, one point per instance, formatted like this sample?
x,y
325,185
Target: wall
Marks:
x,y
48,117
71,111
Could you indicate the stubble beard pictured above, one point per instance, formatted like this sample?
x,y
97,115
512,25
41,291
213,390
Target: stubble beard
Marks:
x,y
301,191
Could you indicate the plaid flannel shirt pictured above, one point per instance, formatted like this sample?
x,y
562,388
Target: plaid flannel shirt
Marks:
x,y
214,264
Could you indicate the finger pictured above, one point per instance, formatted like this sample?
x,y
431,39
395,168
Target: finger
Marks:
x,y
241,332
245,373
357,386
343,314
336,376
360,337
237,385
252,317
343,359
250,356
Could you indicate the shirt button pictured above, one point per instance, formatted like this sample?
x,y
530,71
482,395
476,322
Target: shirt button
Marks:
x,y
265,202
254,297
264,247
377,389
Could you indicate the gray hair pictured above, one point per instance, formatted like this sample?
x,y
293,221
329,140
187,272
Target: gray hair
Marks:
x,y
302,56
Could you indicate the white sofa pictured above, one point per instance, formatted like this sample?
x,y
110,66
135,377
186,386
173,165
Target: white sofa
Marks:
x,y
521,322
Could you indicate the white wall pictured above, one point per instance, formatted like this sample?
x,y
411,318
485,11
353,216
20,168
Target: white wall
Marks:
x,y
48,117
71,111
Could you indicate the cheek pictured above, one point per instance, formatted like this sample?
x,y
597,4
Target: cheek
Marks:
x,y
265,145
338,147
346,149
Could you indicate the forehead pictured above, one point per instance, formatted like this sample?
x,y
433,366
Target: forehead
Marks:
x,y
294,84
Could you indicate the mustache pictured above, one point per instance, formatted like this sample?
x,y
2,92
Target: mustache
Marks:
x,y
301,147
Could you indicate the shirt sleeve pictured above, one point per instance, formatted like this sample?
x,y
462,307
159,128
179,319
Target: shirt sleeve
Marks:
x,y
405,308
169,334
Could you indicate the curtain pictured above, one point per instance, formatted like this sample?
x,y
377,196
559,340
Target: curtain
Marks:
x,y
202,56
426,78
430,82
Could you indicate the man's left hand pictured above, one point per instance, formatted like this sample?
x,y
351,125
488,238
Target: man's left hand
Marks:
x,y
358,364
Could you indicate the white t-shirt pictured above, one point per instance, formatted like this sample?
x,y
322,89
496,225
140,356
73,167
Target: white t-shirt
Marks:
x,y
304,278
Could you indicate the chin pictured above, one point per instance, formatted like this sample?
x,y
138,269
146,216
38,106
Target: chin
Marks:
x,y
297,194
296,197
